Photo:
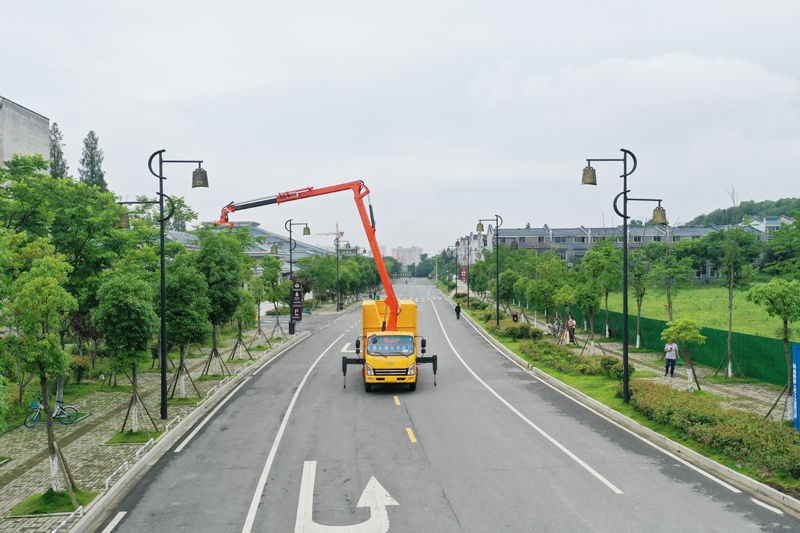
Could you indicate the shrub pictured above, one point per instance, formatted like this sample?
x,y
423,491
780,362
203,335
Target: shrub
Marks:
x,y
78,365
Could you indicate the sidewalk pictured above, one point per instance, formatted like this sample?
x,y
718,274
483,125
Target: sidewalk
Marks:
x,y
84,443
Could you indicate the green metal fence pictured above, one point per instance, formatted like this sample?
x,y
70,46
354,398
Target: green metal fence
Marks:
x,y
756,357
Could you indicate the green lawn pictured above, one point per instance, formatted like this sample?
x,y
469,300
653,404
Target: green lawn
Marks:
x,y
51,502
708,306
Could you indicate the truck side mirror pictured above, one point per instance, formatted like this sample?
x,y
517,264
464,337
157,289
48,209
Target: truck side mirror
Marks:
x,y
358,346
423,344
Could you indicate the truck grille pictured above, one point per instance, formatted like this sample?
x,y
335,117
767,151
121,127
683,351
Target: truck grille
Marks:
x,y
390,371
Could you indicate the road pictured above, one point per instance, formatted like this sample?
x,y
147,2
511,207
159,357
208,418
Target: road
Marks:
x,y
491,448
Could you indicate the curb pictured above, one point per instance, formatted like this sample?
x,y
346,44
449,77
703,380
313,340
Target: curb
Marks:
x,y
779,499
95,513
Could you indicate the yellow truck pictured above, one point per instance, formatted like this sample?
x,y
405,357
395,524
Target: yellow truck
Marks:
x,y
392,346
389,357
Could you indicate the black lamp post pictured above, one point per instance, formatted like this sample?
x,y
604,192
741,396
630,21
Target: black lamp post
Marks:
x,y
292,244
199,179
659,217
458,274
498,221
336,242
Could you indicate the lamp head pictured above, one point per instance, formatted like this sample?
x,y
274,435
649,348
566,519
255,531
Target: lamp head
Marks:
x,y
124,221
589,176
306,231
199,178
274,249
660,216
479,227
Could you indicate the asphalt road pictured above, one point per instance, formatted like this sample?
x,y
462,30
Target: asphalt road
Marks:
x,y
491,448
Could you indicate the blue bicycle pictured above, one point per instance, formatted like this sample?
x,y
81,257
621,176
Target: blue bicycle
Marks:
x,y
66,414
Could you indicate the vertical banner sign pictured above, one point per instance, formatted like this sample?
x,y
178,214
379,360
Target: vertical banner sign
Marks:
x,y
463,273
795,371
297,302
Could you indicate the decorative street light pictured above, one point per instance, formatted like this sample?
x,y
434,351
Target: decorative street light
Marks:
x,y
199,179
292,244
336,243
498,221
659,217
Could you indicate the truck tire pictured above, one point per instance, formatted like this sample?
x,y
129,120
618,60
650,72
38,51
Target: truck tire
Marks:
x,y
412,386
367,387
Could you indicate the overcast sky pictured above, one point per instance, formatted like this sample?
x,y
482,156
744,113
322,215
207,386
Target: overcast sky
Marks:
x,y
450,111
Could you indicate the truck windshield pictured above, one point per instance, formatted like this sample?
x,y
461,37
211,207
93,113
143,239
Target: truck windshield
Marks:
x,y
390,345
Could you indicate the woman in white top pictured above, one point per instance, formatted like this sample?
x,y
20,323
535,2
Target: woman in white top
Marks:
x,y
670,354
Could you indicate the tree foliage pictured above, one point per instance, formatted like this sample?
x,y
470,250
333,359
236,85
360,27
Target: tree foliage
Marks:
x,y
90,170
58,165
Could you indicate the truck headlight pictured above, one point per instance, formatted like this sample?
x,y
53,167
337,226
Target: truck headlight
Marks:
x,y
370,370
412,370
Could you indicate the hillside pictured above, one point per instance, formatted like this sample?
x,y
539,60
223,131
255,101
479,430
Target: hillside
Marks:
x,y
750,208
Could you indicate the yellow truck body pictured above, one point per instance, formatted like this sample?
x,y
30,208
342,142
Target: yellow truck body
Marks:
x,y
390,357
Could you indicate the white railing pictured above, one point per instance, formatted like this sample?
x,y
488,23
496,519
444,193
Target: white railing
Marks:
x,y
144,449
67,520
171,422
122,468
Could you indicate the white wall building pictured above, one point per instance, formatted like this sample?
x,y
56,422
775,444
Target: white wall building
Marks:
x,y
22,131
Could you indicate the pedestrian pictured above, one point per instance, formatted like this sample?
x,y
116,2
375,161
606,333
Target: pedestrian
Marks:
x,y
458,312
670,354
571,326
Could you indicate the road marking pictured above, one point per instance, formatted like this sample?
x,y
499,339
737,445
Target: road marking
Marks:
x,y
251,513
623,428
525,419
765,506
209,417
374,496
346,348
397,401
117,519
411,435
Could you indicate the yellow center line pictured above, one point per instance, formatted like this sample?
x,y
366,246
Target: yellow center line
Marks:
x,y
397,400
411,435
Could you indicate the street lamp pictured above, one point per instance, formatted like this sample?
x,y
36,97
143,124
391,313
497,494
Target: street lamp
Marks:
x,y
659,217
199,179
292,244
458,274
498,221
336,242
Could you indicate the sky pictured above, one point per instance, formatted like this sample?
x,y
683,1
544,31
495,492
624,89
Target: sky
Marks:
x,y
449,111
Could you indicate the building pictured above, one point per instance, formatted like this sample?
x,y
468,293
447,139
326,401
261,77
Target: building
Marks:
x,y
22,131
407,256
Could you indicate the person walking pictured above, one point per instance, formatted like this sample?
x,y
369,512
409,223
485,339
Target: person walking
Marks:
x,y
670,355
571,324
458,311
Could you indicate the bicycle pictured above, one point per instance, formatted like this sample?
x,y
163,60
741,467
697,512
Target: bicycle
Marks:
x,y
66,414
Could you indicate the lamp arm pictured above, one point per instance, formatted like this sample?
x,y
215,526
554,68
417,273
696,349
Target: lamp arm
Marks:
x,y
615,204
633,157
171,208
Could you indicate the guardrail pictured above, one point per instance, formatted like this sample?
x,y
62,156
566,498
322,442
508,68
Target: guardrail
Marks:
x,y
67,520
144,448
122,468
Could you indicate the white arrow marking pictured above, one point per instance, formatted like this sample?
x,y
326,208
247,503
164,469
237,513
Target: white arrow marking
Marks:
x,y
374,496
346,348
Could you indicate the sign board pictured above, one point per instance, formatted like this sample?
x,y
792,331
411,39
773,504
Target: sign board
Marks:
x,y
795,380
463,273
297,302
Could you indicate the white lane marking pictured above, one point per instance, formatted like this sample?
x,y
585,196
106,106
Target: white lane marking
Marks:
x,y
669,454
262,481
525,419
346,348
768,507
374,496
117,519
209,417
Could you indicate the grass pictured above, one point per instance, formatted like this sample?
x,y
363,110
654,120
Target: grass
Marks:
x,y
211,377
51,502
708,306
189,400
134,437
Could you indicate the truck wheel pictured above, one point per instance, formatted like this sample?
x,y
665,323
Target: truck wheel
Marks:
x,y
412,386
367,387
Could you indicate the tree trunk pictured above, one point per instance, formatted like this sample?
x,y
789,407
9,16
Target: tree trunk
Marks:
x,y
787,350
605,325
668,287
729,345
638,322
55,464
135,406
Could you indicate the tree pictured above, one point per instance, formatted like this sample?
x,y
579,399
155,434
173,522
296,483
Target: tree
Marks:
x,y
187,313
783,250
587,298
260,287
686,332
58,165
90,170
638,270
38,305
733,250
781,298
602,266
128,322
25,199
220,257
244,316
667,270
149,209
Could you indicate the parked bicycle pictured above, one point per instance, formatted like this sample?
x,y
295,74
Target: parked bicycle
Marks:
x,y
66,414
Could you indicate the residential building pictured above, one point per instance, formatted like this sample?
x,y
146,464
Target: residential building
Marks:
x,y
22,131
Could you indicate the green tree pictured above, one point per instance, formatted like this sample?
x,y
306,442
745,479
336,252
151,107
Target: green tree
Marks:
x,y
687,333
733,251
58,165
261,287
90,170
781,298
638,274
782,255
128,322
587,298
602,266
25,197
38,305
667,270
244,316
149,210
187,313
220,258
